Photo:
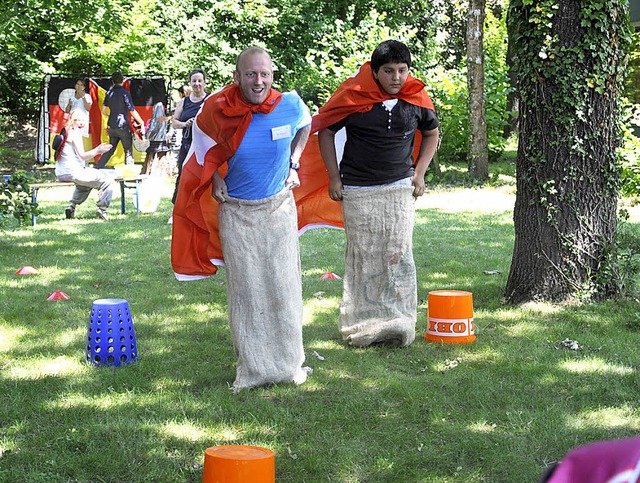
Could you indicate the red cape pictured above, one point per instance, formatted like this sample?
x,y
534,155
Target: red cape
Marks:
x,y
219,129
360,92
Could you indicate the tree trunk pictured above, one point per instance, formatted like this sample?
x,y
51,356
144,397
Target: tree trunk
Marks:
x,y
512,98
569,61
478,149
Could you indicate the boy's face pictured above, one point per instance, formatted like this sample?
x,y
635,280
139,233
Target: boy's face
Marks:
x,y
392,77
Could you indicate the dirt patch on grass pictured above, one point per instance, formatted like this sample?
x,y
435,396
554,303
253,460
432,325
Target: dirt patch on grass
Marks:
x,y
22,139
17,153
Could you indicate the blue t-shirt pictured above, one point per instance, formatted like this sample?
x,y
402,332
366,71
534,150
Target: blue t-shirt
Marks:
x,y
119,102
260,166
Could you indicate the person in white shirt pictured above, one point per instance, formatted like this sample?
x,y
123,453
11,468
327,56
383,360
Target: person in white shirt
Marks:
x,y
81,101
72,166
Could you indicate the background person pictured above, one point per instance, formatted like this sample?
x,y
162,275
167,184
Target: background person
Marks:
x,y
184,114
260,134
381,108
184,91
157,136
72,166
81,101
118,105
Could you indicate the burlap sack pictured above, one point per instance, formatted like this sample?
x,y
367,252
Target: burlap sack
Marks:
x,y
379,300
264,289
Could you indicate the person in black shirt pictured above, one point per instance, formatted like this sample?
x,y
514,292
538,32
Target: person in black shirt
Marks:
x,y
117,105
376,180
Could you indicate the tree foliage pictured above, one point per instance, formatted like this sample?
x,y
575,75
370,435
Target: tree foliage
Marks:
x,y
15,200
314,44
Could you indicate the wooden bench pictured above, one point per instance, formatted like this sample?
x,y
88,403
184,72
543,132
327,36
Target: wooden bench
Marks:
x,y
125,183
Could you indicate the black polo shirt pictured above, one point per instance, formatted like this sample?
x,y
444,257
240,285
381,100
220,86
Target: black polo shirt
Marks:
x,y
379,145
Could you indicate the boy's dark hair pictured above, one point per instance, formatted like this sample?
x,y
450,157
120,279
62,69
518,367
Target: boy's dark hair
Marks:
x,y
117,78
390,52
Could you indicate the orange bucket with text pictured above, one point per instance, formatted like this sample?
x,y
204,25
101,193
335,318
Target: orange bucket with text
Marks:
x,y
239,464
450,317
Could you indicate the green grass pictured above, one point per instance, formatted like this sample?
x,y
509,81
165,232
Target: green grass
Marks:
x,y
497,410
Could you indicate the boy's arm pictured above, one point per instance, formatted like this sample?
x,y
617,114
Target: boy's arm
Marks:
x,y
327,144
428,148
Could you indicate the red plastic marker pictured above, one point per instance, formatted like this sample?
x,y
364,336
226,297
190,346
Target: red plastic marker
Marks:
x,y
330,276
27,270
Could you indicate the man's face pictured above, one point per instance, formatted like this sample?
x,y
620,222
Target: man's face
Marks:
x,y
392,77
254,76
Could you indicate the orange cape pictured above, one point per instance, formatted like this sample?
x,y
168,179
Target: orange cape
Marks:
x,y
360,92
219,129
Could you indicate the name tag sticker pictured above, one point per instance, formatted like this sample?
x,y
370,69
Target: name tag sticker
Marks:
x,y
280,132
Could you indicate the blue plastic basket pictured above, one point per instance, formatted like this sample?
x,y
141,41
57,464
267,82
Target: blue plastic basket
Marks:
x,y
111,338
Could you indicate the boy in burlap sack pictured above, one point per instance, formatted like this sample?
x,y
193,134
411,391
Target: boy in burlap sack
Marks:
x,y
258,133
381,108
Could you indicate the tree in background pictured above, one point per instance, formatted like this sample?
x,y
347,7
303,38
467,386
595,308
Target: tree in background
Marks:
x,y
478,157
448,84
569,58
314,44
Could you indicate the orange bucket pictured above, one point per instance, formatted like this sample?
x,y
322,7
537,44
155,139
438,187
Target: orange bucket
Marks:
x,y
238,464
450,317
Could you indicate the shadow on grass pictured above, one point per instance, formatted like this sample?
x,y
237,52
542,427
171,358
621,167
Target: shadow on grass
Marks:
x,y
495,410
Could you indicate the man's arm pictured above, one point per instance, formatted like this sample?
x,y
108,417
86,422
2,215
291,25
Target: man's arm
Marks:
x,y
218,188
297,146
327,144
299,142
428,148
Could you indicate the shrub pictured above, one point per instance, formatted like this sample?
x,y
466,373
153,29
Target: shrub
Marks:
x,y
15,200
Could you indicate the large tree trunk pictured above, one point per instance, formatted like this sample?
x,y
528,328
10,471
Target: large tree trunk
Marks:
x,y
478,150
569,64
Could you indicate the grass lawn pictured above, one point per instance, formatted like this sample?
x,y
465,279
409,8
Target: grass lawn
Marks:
x,y
497,410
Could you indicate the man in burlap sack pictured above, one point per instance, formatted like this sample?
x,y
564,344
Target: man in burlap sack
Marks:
x,y
258,134
381,108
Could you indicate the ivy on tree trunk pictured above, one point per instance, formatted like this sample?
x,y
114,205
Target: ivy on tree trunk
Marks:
x,y
569,61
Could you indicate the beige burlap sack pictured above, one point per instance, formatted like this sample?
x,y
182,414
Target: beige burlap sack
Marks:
x,y
379,299
264,289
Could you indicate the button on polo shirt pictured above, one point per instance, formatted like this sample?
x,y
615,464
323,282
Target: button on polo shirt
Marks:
x,y
379,147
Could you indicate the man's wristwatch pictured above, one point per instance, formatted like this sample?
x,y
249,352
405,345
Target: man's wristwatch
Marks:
x,y
295,166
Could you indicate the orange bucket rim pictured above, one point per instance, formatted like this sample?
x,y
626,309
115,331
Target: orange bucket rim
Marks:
x,y
234,451
450,292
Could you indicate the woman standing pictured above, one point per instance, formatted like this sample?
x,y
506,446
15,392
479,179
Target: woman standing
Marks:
x,y
72,166
81,101
184,115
